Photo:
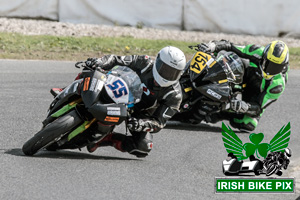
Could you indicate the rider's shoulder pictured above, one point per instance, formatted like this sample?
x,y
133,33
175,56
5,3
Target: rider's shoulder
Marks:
x,y
253,52
142,62
143,58
173,92
255,47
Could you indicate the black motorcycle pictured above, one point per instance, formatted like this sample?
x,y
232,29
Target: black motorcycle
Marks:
x,y
208,83
88,109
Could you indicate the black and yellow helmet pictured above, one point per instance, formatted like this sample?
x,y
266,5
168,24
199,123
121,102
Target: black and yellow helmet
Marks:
x,y
275,59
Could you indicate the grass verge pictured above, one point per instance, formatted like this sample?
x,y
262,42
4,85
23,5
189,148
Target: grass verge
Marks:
x,y
45,47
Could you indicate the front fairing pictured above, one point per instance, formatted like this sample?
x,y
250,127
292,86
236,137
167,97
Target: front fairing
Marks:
x,y
215,74
109,114
203,67
91,87
69,94
216,91
208,77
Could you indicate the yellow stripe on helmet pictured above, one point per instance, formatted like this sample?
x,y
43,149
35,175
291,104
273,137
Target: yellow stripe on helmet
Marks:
x,y
266,76
275,59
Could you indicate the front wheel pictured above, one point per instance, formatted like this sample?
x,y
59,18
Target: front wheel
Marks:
x,y
51,133
271,169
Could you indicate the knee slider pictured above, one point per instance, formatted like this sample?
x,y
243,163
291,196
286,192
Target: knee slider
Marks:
x,y
276,90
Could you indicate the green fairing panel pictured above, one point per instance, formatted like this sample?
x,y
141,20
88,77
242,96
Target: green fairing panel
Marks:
x,y
63,110
78,130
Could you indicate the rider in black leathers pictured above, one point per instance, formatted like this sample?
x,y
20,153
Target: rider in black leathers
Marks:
x,y
160,101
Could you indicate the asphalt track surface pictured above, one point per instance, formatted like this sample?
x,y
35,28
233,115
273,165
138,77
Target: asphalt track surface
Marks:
x,y
182,165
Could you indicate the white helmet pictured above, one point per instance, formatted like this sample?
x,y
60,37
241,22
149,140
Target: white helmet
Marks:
x,y
288,152
169,65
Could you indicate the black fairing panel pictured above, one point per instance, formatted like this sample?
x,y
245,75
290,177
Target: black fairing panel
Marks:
x,y
70,93
215,74
194,77
89,90
215,91
112,114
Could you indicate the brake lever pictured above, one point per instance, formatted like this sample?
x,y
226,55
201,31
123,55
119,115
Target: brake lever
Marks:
x,y
83,64
78,63
194,47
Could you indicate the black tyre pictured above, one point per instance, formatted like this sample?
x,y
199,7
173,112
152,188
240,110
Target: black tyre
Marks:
x,y
51,133
271,169
279,173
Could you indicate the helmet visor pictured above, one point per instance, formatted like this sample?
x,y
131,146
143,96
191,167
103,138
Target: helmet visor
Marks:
x,y
165,71
271,68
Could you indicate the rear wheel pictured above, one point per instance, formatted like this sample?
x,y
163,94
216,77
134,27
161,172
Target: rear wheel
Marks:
x,y
51,133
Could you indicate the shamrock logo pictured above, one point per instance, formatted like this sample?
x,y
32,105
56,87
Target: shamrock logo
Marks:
x,y
252,148
233,143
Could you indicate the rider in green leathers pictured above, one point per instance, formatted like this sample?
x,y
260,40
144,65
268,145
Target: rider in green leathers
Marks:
x,y
265,77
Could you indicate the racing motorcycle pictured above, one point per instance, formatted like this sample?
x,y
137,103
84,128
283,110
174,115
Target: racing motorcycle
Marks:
x,y
208,83
88,109
275,162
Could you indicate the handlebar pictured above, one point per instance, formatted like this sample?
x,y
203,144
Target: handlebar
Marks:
x,y
85,64
194,47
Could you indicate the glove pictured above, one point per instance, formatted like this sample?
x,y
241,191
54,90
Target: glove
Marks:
x,y
203,47
212,46
93,62
135,124
239,106
216,46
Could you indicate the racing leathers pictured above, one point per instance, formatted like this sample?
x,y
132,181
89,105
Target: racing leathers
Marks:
x,y
157,106
258,92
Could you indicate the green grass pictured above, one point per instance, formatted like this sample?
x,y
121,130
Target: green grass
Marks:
x,y
295,58
44,47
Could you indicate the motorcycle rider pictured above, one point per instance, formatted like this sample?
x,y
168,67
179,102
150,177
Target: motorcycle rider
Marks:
x,y
282,159
195,109
265,78
160,101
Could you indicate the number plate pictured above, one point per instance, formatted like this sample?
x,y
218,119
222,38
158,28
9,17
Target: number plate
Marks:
x,y
200,61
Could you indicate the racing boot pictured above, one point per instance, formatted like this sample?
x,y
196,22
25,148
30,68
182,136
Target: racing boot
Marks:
x,y
113,139
140,147
245,124
141,144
